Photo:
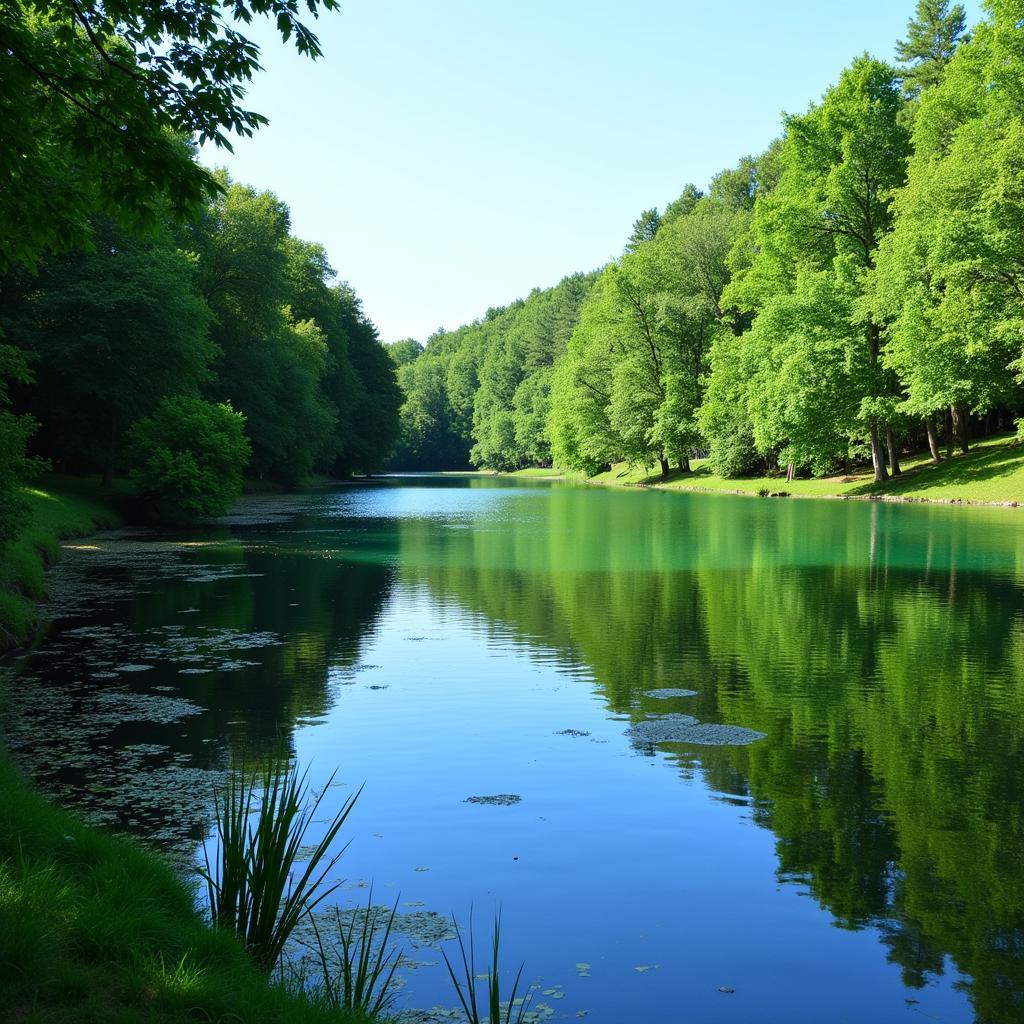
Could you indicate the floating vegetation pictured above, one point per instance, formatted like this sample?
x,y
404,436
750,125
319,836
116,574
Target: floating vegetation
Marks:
x,y
62,736
497,800
687,729
423,928
669,691
115,708
572,732
130,561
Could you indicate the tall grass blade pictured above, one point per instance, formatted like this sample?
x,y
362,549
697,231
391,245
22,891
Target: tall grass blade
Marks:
x,y
365,960
466,986
255,888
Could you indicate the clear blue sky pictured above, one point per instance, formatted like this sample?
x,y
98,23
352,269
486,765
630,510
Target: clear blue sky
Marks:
x,y
453,154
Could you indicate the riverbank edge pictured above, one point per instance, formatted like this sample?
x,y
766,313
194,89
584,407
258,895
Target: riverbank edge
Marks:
x,y
93,926
776,487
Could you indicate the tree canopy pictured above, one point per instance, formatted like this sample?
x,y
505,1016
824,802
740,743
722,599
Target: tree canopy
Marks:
x,y
849,293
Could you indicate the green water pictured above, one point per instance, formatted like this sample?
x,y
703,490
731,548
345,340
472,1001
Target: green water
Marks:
x,y
441,638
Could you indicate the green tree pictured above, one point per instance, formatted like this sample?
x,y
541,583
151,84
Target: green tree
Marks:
x,y
933,35
108,334
270,362
948,277
187,458
95,98
15,467
645,227
830,209
405,351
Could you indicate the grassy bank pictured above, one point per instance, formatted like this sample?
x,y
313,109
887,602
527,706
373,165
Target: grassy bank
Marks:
x,y
58,507
94,928
991,473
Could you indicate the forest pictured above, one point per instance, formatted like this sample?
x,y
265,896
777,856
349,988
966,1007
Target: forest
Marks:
x,y
157,319
849,295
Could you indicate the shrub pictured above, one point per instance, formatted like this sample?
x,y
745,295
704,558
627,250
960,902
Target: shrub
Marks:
x,y
187,458
733,455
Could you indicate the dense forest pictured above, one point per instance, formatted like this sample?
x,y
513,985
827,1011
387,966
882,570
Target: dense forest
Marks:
x,y
851,293
157,318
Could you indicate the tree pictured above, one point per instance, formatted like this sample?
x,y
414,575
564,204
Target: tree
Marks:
x,y
187,459
947,282
645,227
15,466
830,209
95,99
108,334
636,365
518,347
682,205
405,351
271,361
933,35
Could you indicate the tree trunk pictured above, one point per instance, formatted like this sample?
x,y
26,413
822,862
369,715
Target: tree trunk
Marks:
x,y
790,472
933,439
684,464
894,452
959,418
664,467
878,455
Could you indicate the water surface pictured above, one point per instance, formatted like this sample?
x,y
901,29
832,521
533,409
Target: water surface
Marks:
x,y
443,638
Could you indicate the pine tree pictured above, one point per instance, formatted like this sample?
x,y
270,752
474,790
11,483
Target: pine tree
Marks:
x,y
933,35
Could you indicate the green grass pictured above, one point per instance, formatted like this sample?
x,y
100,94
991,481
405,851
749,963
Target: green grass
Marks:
x,y
992,472
58,507
93,928
541,473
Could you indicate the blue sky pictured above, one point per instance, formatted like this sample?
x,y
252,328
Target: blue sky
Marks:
x,y
452,155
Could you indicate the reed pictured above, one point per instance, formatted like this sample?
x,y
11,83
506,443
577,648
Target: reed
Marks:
x,y
259,885
357,970
498,1011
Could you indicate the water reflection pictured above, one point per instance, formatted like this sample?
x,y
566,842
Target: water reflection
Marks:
x,y
446,636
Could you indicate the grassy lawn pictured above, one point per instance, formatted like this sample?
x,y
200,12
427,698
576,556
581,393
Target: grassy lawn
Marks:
x,y
993,471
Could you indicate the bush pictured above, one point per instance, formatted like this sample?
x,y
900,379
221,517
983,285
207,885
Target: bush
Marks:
x,y
187,458
733,455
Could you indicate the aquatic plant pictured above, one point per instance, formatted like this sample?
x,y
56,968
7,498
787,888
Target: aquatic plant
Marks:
x,y
256,888
466,986
357,971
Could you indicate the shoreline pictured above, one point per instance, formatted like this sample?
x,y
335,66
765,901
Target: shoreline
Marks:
x,y
991,475
892,499
96,924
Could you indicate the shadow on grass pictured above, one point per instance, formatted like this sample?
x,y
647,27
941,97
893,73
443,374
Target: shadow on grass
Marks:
x,y
967,470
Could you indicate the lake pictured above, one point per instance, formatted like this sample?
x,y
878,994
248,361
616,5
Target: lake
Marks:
x,y
829,828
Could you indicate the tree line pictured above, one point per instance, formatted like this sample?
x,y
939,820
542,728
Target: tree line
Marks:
x,y
851,293
156,317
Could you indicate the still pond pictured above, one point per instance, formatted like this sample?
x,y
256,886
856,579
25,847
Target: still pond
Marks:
x,y
756,759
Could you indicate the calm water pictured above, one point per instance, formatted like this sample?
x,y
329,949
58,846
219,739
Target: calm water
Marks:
x,y
436,637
